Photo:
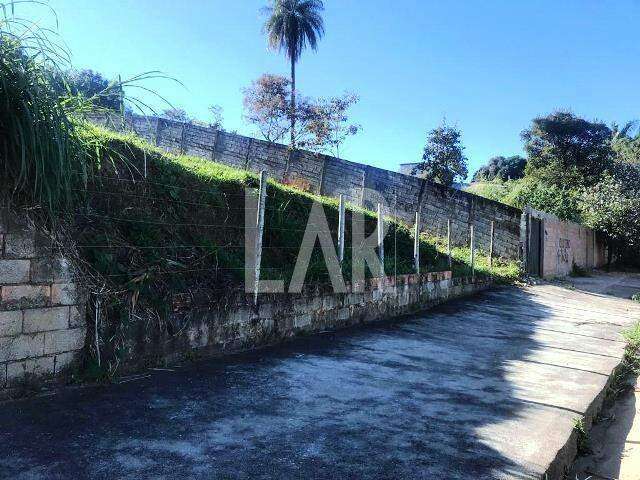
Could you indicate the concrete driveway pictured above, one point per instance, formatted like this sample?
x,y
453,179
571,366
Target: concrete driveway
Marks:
x,y
486,387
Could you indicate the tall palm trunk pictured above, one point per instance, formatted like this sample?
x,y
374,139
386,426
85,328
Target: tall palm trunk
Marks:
x,y
293,103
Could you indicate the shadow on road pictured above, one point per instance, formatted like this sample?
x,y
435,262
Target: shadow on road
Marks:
x,y
429,397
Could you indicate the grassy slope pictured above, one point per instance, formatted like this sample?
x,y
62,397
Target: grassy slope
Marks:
x,y
496,190
189,216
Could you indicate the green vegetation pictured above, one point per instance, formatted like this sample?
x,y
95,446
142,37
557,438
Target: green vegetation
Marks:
x,y
443,159
580,171
42,154
495,190
583,441
632,352
501,168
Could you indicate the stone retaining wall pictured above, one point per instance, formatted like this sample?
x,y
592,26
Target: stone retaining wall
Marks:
x,y
42,315
235,324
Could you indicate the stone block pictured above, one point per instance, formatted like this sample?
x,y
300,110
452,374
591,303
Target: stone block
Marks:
x,y
19,245
10,323
77,316
301,321
64,340
344,313
64,360
14,271
21,347
45,319
48,270
24,296
37,367
64,294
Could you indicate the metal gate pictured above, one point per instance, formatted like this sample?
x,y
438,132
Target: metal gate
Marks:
x,y
535,245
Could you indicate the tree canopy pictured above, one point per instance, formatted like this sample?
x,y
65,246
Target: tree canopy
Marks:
x,y
562,147
502,168
443,160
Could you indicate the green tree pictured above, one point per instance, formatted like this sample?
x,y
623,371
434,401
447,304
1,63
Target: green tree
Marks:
x,y
443,160
501,168
626,144
291,26
611,207
89,85
563,148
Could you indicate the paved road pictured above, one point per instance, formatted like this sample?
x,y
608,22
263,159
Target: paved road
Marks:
x,y
482,388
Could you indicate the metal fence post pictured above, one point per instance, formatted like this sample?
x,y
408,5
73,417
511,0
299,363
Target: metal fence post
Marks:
x,y
449,243
416,243
381,240
472,259
341,222
491,244
262,197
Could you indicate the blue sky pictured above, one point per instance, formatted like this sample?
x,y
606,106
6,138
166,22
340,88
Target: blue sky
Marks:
x,y
487,66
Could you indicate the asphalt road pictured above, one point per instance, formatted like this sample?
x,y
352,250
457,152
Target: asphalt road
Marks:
x,y
486,387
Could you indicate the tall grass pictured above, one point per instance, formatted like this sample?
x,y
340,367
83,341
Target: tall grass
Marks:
x,y
39,148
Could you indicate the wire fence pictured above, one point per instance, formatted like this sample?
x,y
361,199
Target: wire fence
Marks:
x,y
225,251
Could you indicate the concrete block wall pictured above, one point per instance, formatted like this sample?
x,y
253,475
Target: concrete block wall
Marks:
x,y
42,312
361,185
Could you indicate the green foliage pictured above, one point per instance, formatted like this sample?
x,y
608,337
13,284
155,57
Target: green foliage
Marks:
x,y
561,201
291,26
613,209
501,168
583,441
42,157
89,85
443,160
625,144
325,123
564,149
495,190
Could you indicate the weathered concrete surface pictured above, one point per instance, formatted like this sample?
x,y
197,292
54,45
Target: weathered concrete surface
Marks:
x,y
482,388
614,441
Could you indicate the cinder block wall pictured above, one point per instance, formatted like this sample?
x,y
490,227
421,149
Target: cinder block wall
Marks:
x,y
361,185
42,313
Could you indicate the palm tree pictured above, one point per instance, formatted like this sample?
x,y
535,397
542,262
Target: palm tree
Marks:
x,y
291,26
